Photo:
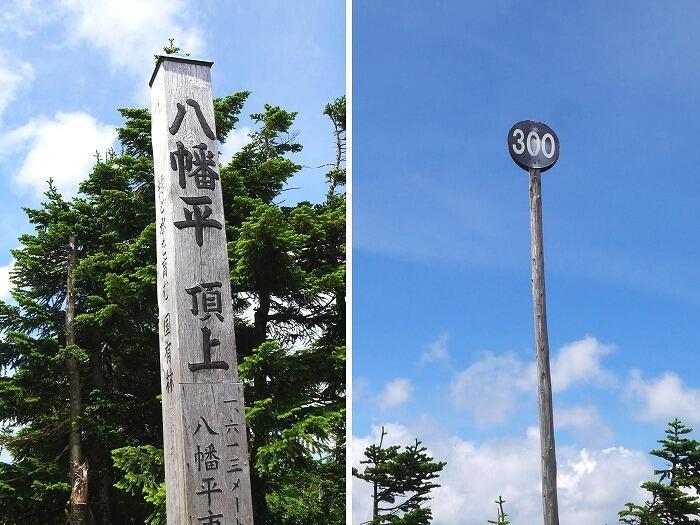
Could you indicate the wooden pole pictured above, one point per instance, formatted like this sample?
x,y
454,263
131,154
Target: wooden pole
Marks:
x,y
544,381
206,452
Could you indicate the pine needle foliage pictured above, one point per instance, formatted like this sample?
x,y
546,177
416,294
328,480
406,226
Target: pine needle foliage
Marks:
x,y
502,516
674,496
402,480
287,265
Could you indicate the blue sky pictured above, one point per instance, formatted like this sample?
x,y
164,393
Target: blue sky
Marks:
x,y
67,65
442,339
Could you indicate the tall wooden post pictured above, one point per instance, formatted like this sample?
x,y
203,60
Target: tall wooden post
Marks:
x,y
544,381
206,452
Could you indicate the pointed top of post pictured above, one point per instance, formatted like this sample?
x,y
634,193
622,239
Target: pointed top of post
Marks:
x,y
178,58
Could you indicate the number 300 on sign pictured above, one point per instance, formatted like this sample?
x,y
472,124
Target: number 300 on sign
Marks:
x,y
533,145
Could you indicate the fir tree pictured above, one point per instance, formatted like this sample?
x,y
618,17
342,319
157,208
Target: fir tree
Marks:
x,y
674,497
501,519
287,263
401,482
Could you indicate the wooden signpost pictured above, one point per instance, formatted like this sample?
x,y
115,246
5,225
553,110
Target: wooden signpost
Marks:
x,y
535,148
206,453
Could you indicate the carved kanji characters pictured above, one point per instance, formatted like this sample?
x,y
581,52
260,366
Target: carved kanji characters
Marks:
x,y
181,110
204,175
208,343
166,324
202,160
169,380
208,457
210,489
233,425
235,464
211,300
181,161
211,519
198,218
211,431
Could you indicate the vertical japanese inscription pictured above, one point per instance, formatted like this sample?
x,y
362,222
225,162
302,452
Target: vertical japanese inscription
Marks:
x,y
204,433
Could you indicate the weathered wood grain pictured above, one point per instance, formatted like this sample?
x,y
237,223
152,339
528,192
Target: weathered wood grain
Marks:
x,y
197,403
544,382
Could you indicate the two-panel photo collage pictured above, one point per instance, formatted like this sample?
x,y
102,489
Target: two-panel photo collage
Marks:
x,y
349,262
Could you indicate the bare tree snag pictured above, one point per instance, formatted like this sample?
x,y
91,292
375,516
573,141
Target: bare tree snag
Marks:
x,y
78,469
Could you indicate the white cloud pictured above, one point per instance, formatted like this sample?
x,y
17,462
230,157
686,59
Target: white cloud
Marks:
x,y
22,16
489,388
62,148
585,424
663,398
235,141
594,484
437,351
14,75
132,31
5,285
395,393
580,362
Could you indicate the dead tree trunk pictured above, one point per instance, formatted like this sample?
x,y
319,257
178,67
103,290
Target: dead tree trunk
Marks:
x,y
339,133
78,469
260,437
375,497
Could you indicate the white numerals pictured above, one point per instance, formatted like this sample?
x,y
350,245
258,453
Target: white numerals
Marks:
x,y
549,154
519,141
534,143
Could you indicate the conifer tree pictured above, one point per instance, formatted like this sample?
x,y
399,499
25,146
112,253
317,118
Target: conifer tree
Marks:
x,y
501,519
674,497
401,482
287,264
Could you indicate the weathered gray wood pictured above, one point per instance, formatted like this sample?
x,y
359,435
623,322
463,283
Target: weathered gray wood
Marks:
x,y
544,382
72,369
197,403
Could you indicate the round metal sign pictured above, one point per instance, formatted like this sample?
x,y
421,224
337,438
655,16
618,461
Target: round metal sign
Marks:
x,y
533,145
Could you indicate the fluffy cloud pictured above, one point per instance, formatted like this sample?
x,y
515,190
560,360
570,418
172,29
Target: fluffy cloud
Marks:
x,y
594,484
585,424
663,398
437,351
234,143
131,31
14,75
580,362
395,393
491,387
488,388
5,285
62,148
22,16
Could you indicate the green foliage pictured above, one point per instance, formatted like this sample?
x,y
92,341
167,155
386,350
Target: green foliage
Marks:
x,y
502,516
402,481
674,497
288,263
336,112
143,469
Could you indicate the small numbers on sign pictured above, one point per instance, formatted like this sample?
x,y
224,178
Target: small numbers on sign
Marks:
x,y
533,145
